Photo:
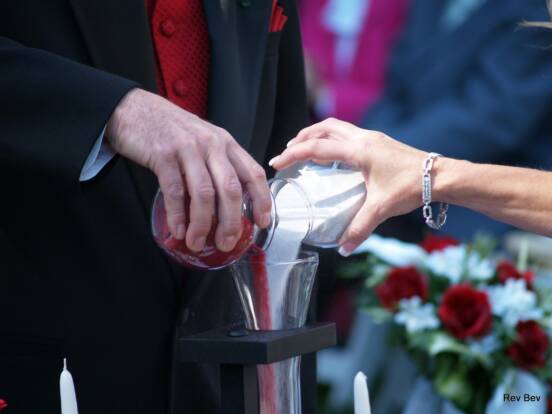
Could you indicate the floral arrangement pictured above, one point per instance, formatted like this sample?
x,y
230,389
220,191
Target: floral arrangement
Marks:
x,y
477,327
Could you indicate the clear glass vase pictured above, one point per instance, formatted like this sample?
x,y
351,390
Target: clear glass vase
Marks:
x,y
276,296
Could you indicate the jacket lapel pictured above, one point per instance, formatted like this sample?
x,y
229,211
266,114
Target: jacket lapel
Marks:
x,y
117,36
118,39
238,37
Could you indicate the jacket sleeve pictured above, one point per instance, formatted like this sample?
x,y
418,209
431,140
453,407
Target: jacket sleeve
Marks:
x,y
53,110
495,108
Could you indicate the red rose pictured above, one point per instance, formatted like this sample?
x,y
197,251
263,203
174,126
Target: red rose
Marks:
x,y
506,270
433,243
3,404
531,346
465,311
402,283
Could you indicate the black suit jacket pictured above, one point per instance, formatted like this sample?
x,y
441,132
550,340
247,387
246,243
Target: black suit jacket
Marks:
x,y
80,276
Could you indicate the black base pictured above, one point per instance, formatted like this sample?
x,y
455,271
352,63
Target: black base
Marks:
x,y
238,351
230,345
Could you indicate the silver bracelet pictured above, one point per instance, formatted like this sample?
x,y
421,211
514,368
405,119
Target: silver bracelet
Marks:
x,y
426,196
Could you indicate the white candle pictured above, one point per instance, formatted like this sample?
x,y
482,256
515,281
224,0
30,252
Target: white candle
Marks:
x,y
362,399
67,391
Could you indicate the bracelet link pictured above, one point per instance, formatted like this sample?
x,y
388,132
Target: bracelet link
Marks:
x,y
426,196
428,213
426,189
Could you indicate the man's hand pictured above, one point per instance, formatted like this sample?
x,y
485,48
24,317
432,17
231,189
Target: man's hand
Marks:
x,y
190,157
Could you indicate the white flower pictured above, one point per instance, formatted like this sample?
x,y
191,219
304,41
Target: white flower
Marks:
x,y
485,345
380,271
547,323
454,261
392,251
415,316
448,262
514,302
479,268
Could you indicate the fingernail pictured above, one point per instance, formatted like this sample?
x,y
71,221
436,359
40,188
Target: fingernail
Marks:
x,y
199,244
346,249
180,231
229,242
272,161
265,221
290,142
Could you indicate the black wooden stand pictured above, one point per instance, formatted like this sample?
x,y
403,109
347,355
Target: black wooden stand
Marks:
x,y
238,351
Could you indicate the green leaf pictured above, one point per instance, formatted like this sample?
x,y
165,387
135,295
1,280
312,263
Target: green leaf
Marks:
x,y
436,343
484,244
452,380
359,266
354,270
379,315
544,294
544,373
441,342
505,332
379,274
523,255
437,286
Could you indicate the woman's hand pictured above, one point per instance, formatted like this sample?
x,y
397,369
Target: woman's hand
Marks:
x,y
392,171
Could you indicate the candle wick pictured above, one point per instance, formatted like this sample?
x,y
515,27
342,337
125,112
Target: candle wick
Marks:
x,y
65,364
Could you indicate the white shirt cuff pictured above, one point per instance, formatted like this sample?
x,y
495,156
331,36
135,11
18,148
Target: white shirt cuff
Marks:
x,y
100,155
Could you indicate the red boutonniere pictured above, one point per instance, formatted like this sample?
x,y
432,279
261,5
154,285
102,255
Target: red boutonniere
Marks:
x,y
3,404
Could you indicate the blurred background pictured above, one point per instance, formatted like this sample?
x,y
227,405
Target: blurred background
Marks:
x,y
464,78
